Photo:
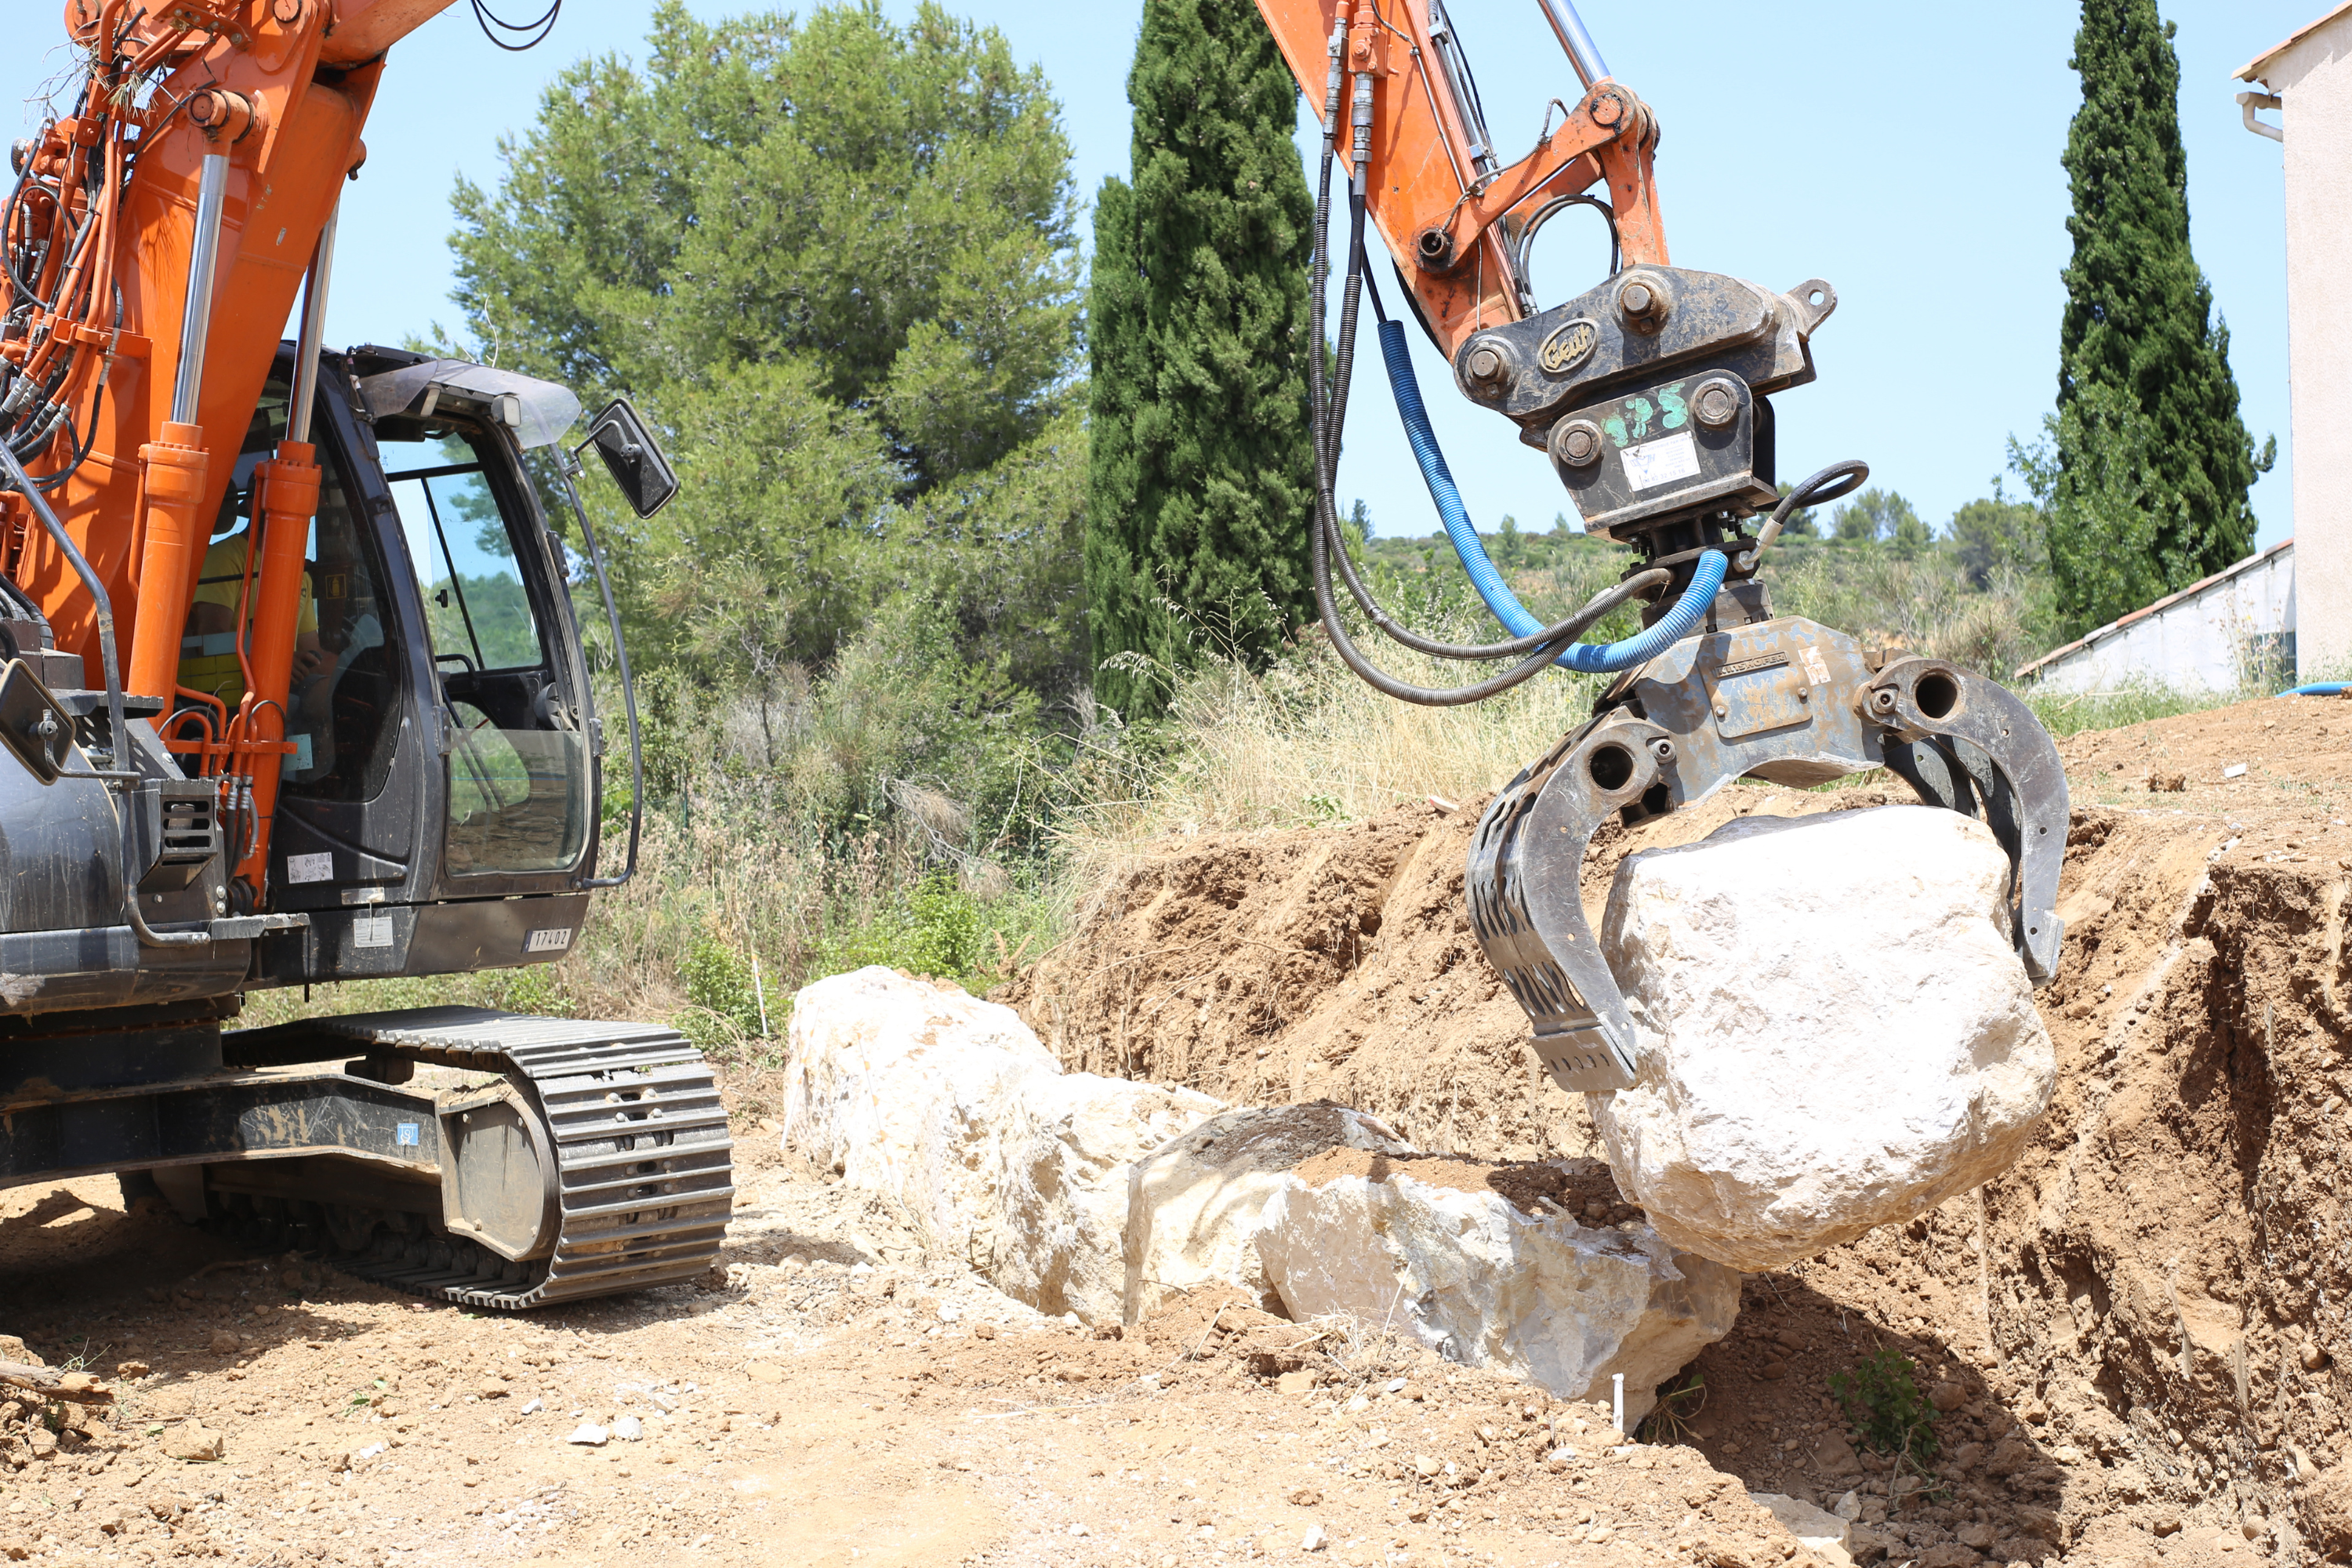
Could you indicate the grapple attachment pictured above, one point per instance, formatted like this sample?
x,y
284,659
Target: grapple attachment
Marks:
x,y
1786,700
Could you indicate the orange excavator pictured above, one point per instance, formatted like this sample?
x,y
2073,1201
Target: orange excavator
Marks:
x,y
1649,393
293,692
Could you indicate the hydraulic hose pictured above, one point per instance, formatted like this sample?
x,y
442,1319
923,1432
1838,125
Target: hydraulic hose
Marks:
x,y
2318,688
1325,537
1586,657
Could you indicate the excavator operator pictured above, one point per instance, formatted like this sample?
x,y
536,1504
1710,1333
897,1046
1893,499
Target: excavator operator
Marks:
x,y
209,660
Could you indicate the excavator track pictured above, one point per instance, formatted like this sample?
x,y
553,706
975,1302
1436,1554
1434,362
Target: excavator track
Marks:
x,y
643,1181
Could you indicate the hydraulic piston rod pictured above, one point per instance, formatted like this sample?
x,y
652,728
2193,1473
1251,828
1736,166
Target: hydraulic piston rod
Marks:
x,y
1582,53
175,466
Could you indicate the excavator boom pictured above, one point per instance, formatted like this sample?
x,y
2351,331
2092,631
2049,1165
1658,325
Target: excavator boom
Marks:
x,y
1458,220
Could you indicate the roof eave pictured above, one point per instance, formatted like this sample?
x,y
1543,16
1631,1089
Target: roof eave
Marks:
x,y
2259,67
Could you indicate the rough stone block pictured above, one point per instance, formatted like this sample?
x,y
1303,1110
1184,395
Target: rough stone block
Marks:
x,y
903,1086
1195,1204
1835,1032
948,1106
1475,1278
1066,1148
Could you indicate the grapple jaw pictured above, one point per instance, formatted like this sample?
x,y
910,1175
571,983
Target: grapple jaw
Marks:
x,y
1787,701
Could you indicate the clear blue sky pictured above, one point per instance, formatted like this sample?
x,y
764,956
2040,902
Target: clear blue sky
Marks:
x,y
1909,155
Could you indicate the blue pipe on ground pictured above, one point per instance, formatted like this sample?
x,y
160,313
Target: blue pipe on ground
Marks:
x,y
2318,688
1589,659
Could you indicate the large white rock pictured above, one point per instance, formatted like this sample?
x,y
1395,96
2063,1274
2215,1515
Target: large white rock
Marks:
x,y
1064,1157
1195,1206
1835,1032
1477,1280
903,1086
949,1107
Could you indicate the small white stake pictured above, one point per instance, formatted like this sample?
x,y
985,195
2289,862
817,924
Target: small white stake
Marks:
x,y
760,991
1619,1378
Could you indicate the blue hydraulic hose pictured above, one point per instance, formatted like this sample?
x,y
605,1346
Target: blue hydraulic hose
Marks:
x,y
1591,658
2317,689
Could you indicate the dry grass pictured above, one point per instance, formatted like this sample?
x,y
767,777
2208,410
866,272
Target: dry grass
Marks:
x,y
1306,743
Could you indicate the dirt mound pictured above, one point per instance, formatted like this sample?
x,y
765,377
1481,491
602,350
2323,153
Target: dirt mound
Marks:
x,y
2133,1338
1335,964
2291,753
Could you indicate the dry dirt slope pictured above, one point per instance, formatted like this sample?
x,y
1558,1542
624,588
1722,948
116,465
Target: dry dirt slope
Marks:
x,y
2141,1322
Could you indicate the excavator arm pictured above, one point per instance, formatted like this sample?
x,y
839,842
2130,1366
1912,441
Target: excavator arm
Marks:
x,y
1459,221
1650,393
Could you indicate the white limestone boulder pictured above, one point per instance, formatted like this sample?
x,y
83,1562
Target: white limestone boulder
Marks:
x,y
949,1107
902,1086
1475,1278
1195,1204
1065,1152
1834,1030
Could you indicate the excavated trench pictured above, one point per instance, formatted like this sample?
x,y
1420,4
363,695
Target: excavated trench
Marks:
x,y
2132,1336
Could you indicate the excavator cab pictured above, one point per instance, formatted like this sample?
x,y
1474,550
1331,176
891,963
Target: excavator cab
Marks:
x,y
292,692
441,808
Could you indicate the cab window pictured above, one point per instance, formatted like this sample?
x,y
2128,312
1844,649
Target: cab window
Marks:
x,y
519,775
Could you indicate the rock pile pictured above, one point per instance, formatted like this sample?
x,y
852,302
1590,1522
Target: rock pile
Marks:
x,y
1835,1030
1096,1196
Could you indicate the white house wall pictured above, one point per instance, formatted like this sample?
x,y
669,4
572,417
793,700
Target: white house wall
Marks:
x,y
2202,639
2312,75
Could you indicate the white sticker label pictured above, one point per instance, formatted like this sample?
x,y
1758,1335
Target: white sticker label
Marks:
x,y
1816,666
555,939
1662,462
300,761
372,931
310,867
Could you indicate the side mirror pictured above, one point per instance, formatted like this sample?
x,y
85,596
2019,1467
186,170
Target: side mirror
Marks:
x,y
633,457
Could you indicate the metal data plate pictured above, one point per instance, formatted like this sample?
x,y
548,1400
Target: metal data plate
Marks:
x,y
1653,455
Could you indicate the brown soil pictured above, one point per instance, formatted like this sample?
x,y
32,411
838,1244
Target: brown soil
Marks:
x,y
2137,1329
828,1398
1333,963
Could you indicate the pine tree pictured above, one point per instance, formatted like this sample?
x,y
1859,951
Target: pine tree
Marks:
x,y
1201,474
2147,486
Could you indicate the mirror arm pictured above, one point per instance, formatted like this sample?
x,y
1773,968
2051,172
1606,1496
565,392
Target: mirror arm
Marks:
x,y
568,468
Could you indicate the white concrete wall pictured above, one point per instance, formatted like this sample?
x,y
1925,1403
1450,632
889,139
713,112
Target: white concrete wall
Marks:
x,y
2199,640
2313,78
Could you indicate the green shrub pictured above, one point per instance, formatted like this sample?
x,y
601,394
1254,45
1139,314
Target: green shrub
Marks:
x,y
534,989
939,929
943,935
1882,1399
718,982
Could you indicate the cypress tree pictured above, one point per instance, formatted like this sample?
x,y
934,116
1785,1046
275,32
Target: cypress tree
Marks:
x,y
1200,486
2152,464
